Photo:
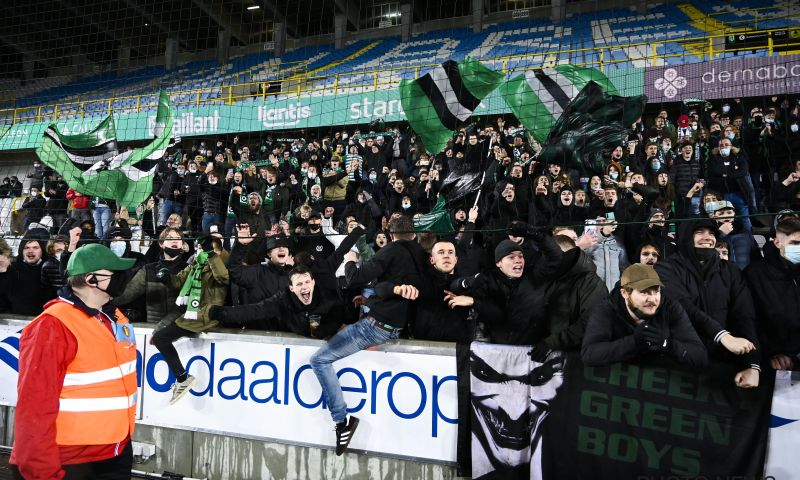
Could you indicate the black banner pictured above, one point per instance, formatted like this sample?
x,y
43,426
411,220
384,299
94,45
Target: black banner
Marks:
x,y
563,420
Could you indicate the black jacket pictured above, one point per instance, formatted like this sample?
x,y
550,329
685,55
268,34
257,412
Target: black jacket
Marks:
x,y
283,311
713,295
402,262
21,289
572,296
215,197
775,285
609,334
35,207
254,282
159,296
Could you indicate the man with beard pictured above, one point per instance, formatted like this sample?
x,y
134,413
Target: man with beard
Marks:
x,y
656,233
510,400
637,321
250,213
716,297
648,254
302,307
775,283
254,283
21,289
77,405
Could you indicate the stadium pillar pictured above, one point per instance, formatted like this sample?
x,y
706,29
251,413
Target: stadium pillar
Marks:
x,y
558,11
406,20
171,54
279,37
223,46
477,16
339,29
123,59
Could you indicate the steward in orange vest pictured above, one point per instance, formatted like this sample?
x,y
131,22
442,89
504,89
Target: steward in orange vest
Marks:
x,y
77,378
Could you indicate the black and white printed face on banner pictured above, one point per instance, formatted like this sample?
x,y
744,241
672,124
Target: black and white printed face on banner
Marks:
x,y
510,400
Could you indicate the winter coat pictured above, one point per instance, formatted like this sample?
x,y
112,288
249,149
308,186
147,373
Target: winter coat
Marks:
x,y
572,296
214,289
284,311
775,285
609,334
79,201
159,297
21,289
683,175
610,258
730,174
254,283
215,197
334,185
717,290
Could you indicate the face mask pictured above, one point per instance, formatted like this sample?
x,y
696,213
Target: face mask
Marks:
x,y
173,252
406,205
705,254
794,128
314,227
116,285
312,175
730,135
724,151
58,256
118,248
666,146
192,170
614,176
212,182
792,253
769,120
181,172
372,178
656,166
726,108
303,171
710,207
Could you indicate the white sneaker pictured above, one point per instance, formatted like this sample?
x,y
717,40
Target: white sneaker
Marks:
x,y
180,389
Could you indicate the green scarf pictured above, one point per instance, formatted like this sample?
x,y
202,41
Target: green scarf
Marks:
x,y
190,292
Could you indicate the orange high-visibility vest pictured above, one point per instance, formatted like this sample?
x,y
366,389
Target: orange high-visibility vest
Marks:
x,y
98,398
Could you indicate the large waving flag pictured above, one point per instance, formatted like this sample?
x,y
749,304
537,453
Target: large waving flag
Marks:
x,y
91,164
539,97
435,103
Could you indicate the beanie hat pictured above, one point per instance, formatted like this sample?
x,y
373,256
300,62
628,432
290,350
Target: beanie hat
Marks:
x,y
505,248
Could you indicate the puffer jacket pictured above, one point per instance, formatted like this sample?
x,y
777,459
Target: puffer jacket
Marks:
x,y
159,298
610,259
334,185
775,284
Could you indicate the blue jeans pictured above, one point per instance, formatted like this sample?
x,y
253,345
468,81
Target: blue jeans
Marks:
x,y
211,218
741,209
352,339
102,220
168,208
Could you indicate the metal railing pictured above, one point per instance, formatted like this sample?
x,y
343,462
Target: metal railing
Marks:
x,y
295,80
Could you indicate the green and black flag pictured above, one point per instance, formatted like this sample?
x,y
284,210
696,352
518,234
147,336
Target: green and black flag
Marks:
x,y
439,101
92,165
538,97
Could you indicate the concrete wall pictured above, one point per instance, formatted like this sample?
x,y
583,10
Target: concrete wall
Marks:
x,y
203,455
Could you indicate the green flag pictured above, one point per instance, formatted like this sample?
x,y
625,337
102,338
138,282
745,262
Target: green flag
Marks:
x,y
538,97
438,101
437,220
91,164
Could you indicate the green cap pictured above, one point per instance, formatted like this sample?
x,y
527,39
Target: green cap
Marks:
x,y
93,257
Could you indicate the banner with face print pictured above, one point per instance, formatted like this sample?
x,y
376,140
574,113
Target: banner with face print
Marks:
x,y
562,419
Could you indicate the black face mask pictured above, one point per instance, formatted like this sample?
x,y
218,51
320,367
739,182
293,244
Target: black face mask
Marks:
x,y
173,252
705,254
116,285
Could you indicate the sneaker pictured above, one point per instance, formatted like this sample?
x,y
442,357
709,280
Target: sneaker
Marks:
x,y
180,389
344,433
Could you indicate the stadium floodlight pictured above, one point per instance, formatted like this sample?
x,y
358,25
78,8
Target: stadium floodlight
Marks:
x,y
253,7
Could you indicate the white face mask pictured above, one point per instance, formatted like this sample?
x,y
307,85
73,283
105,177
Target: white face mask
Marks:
x,y
212,182
406,205
312,175
769,120
192,170
794,128
726,108
58,256
118,247
792,253
730,135
724,151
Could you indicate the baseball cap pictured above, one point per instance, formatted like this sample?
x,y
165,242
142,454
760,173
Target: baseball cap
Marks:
x,y
640,276
93,257
505,248
723,205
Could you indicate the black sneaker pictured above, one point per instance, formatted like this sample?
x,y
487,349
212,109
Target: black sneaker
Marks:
x,y
344,433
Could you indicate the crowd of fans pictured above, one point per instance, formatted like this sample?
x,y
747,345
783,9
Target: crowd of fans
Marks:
x,y
654,256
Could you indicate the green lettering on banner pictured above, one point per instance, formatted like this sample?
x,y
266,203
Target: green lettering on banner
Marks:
x,y
593,404
686,462
655,417
282,114
591,441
